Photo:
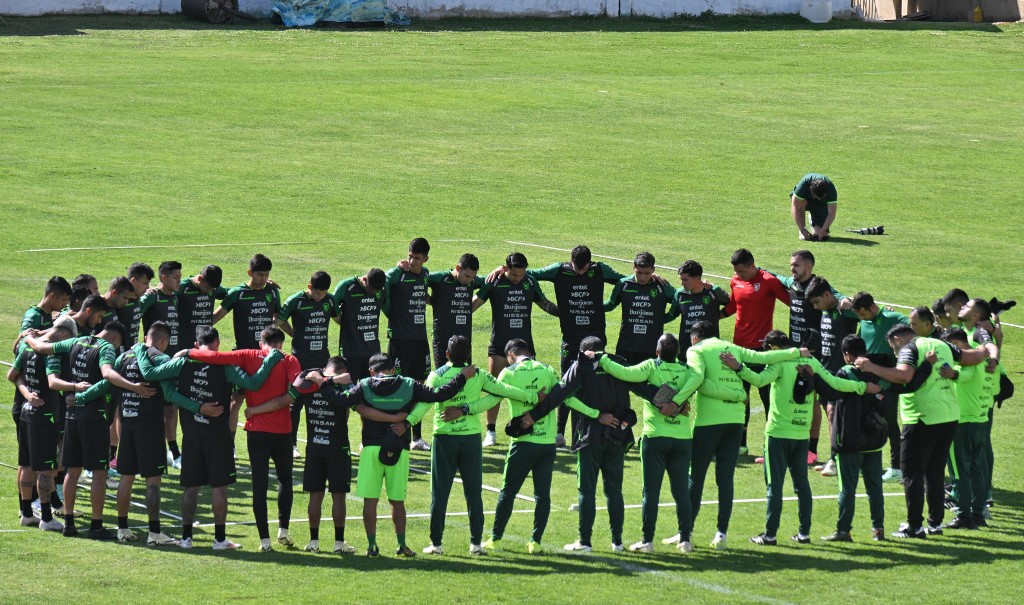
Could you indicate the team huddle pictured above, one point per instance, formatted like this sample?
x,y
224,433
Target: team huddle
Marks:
x,y
94,398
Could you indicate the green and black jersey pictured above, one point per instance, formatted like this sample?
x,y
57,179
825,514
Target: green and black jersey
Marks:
x,y
159,306
935,401
359,313
453,306
580,298
327,420
132,409
37,319
195,309
87,356
705,305
405,304
511,310
835,326
130,316
874,332
310,321
645,311
31,366
252,311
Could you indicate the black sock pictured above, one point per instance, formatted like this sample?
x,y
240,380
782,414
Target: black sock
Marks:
x,y
55,500
186,532
122,523
314,533
220,532
154,526
26,508
813,446
60,477
491,427
97,524
339,533
173,446
47,512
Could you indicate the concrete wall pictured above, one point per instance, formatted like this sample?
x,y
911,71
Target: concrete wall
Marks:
x,y
940,10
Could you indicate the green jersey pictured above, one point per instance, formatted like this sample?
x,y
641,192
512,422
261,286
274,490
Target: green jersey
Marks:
x,y
130,316
195,309
405,304
37,319
310,320
359,313
156,305
453,306
935,401
87,356
975,391
645,311
531,376
803,189
874,332
252,312
705,305
481,393
580,298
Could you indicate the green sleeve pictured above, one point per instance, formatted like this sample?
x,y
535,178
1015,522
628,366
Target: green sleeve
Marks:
x,y
437,277
64,347
289,306
146,301
610,275
850,313
718,390
786,280
720,294
540,293
254,382
108,356
394,275
171,395
613,299
484,291
673,304
582,408
765,378
418,413
231,298
492,386
546,274
477,283
220,293
19,361
768,357
52,365
641,372
166,369
695,361
837,383
484,403
100,389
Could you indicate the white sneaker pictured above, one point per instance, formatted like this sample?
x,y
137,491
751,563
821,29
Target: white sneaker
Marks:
x,y
642,546
29,521
343,548
295,452
51,525
830,469
229,545
86,477
284,538
313,546
892,475
176,463
672,540
577,547
185,543
685,547
476,549
433,549
559,440
264,545
719,542
617,547
420,446
160,539
490,439
126,535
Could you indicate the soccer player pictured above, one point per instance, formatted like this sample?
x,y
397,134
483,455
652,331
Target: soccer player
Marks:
x,y
359,300
717,423
457,446
754,292
387,392
306,317
697,301
196,298
255,304
787,429
86,435
942,319
815,193
667,441
161,304
85,282
451,296
130,315
56,295
647,305
922,322
512,297
268,427
405,304
929,416
531,452
120,293
89,316
875,324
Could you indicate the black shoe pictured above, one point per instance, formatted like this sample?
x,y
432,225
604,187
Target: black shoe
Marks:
x,y
801,539
373,551
405,551
934,530
979,521
102,534
764,540
878,535
905,531
961,523
838,536
70,531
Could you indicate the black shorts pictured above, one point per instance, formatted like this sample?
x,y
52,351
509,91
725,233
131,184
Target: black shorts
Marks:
x,y
141,451
207,458
633,357
358,367
498,348
334,468
86,444
412,357
441,353
37,445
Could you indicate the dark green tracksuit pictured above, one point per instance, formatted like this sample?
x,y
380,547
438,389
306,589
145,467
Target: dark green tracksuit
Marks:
x,y
451,455
659,455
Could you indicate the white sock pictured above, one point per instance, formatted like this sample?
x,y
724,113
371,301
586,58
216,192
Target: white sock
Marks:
x,y
265,542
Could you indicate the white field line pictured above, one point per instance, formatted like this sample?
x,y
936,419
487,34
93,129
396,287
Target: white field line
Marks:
x,y
625,260
757,500
486,487
318,243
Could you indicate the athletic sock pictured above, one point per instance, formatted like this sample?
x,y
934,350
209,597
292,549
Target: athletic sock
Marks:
x,y
154,526
97,524
113,453
60,477
314,533
339,533
371,540
401,540
173,446
55,500
26,508
122,523
491,427
220,532
813,446
186,532
47,512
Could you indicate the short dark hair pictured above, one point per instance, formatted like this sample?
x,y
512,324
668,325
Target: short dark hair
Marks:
x,y
159,329
138,270
381,362
206,335
899,330
459,350
818,286
742,257
777,339
95,302
955,334
78,296
702,329
984,309
82,280
580,256
862,301
691,268
376,278
818,188
169,266
212,275
419,245
117,327
644,260
939,308
956,295
668,347
516,260
591,343
338,363
805,255
261,263
320,280
121,284
854,345
924,313
469,261
272,335
57,285
517,347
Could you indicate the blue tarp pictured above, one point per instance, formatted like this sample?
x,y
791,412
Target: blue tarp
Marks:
x,y
305,13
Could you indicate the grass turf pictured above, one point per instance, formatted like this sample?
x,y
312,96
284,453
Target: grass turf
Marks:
x,y
682,137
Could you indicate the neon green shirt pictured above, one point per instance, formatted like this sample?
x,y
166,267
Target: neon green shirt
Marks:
x,y
975,392
530,375
481,393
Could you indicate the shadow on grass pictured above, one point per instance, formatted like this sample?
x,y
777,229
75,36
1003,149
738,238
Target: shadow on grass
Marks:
x,y
852,241
77,25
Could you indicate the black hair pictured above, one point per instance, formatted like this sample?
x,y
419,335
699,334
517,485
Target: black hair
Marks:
x,y
419,245
955,334
321,280
668,347
469,261
862,301
459,350
580,256
78,296
169,266
818,188
939,308
516,260
517,347
96,302
206,335
702,329
138,270
777,339
381,362
591,343
118,327
956,295
260,263
742,257
82,280
805,255
272,336
159,329
818,286
339,363
57,285
924,313
691,268
121,284
212,276
644,260
376,279
899,330
854,345
983,308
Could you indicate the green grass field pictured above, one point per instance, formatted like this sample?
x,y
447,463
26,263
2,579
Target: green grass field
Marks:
x,y
681,137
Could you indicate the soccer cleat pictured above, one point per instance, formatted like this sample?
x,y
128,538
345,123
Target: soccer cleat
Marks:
x,y
313,546
420,446
86,477
719,542
284,538
228,545
113,483
343,548
70,531
101,534
685,546
477,549
672,540
801,539
490,439
617,547
160,540
29,521
905,531
743,450
934,530
764,540
534,548
812,457
185,543
51,525
295,452
559,440
759,460
265,545
373,551
125,536
987,514
59,511
830,469
819,467
878,534
892,475
961,523
838,536
170,460
405,551
493,544
435,549
578,546
979,521
642,546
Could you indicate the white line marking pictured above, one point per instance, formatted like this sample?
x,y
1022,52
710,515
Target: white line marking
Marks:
x,y
757,500
486,487
319,243
624,260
